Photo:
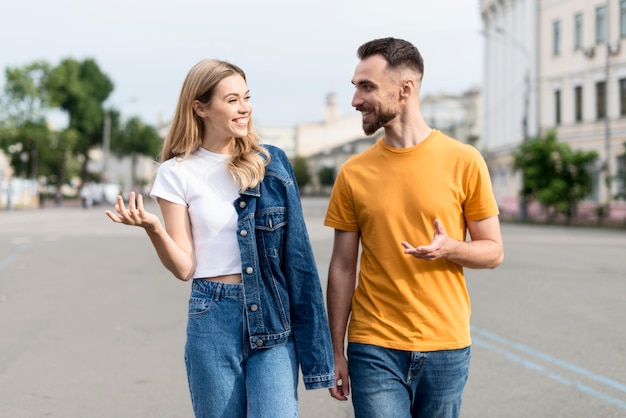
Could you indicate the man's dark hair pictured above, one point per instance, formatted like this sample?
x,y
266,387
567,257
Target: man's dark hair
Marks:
x,y
397,53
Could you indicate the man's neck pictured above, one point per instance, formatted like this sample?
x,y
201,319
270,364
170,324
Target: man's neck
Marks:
x,y
406,133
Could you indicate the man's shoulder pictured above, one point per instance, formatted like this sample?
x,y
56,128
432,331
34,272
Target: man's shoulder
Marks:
x,y
454,144
364,157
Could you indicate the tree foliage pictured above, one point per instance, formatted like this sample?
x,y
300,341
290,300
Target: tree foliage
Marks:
x,y
24,132
301,171
326,176
554,174
80,89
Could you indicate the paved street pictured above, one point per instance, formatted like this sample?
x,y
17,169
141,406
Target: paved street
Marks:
x,y
92,326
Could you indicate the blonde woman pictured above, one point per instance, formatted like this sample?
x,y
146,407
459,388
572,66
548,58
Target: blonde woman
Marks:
x,y
234,225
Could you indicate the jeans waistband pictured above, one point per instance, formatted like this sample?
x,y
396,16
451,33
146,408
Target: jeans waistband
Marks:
x,y
217,288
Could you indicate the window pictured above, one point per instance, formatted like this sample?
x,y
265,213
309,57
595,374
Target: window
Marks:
x,y
601,100
578,30
556,37
622,96
621,176
578,103
622,18
557,107
601,25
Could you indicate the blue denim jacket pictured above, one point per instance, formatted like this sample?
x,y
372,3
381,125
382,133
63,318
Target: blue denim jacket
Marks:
x,y
282,290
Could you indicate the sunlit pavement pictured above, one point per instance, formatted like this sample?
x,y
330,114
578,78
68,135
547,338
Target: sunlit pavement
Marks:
x,y
91,325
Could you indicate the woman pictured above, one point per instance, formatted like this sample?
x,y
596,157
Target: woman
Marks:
x,y
234,224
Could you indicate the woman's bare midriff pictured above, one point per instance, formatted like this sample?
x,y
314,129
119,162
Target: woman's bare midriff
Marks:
x,y
227,278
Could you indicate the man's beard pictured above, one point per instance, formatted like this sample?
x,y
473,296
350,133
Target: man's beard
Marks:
x,y
382,118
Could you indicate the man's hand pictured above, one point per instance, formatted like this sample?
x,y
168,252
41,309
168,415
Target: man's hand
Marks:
x,y
440,247
342,380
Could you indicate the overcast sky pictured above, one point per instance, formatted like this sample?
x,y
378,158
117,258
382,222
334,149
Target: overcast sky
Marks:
x,y
294,52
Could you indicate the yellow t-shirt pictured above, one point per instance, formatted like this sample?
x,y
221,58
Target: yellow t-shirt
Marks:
x,y
391,195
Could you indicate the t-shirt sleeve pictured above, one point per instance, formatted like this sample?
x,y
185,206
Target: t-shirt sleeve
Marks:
x,y
169,183
341,213
480,202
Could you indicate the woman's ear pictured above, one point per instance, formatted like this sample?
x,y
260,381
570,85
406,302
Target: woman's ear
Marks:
x,y
198,108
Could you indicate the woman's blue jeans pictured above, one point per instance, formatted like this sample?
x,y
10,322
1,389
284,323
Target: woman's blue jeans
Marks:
x,y
403,384
226,377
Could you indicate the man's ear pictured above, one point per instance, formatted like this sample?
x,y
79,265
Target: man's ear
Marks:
x,y
407,88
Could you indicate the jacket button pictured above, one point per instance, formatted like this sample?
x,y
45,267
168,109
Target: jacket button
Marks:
x,y
242,204
243,232
249,270
259,343
254,307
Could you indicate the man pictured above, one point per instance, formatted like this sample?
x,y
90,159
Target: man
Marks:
x,y
408,201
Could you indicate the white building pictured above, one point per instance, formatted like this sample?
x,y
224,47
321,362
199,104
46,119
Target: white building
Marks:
x,y
554,64
510,85
335,129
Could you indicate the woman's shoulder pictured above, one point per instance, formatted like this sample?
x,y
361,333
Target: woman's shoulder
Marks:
x,y
275,151
278,157
279,162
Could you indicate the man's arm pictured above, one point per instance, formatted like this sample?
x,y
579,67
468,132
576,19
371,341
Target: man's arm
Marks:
x,y
485,250
341,283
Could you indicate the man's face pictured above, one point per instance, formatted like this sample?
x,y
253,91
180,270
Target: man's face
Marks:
x,y
376,95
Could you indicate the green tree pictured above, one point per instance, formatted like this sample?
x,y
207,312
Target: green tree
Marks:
x,y
554,174
24,132
326,176
301,171
134,140
80,89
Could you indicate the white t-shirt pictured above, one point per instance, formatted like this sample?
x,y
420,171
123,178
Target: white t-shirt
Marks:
x,y
203,183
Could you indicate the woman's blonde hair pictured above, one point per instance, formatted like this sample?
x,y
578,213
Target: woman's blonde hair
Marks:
x,y
248,159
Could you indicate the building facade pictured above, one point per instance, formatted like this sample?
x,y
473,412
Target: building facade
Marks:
x,y
509,95
555,64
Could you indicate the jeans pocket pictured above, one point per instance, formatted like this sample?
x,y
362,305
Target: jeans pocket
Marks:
x,y
200,306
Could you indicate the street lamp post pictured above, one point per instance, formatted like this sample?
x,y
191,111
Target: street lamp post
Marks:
x,y
106,145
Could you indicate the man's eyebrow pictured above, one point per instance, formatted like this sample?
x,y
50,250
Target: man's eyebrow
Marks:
x,y
362,82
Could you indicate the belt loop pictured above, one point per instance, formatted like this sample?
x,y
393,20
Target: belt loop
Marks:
x,y
218,291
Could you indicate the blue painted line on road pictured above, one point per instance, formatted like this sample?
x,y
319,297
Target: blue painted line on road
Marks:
x,y
555,376
8,259
553,360
479,342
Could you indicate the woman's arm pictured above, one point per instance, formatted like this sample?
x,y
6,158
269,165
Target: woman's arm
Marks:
x,y
173,244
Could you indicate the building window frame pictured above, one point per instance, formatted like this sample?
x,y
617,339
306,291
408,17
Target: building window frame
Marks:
x,y
601,100
556,38
622,18
557,107
622,96
578,30
578,103
601,25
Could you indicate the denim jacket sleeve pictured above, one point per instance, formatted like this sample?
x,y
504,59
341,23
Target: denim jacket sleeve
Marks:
x,y
308,311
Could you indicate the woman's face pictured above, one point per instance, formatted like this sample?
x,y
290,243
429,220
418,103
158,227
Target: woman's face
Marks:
x,y
228,114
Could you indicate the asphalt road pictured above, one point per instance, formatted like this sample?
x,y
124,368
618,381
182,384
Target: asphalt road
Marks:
x,y
92,326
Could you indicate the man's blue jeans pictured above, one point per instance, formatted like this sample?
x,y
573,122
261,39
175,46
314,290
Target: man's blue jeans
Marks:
x,y
226,377
402,384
